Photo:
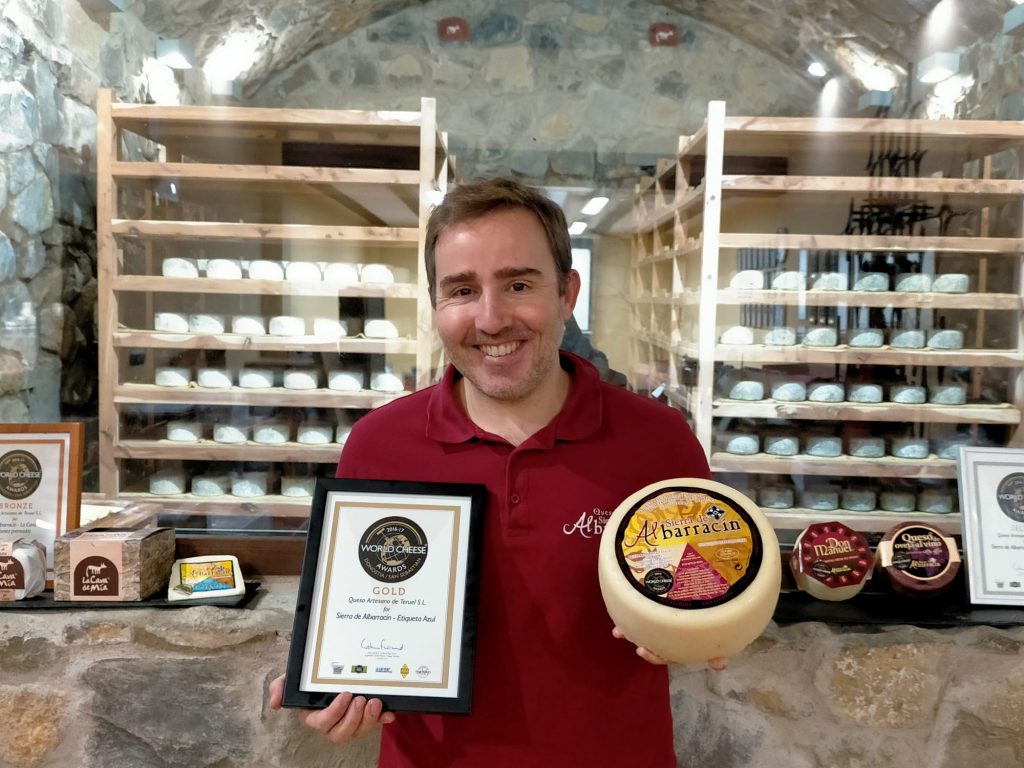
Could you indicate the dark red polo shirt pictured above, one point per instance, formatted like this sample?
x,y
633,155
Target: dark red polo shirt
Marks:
x,y
552,686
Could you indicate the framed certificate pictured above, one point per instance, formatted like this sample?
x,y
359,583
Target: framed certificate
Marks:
x,y
388,595
40,482
992,505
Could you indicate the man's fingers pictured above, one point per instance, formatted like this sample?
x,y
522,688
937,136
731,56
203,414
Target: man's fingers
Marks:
x,y
276,692
324,720
718,663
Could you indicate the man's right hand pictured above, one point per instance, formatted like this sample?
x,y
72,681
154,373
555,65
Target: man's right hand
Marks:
x,y
348,717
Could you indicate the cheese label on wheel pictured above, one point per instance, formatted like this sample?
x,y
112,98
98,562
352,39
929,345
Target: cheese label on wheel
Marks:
x,y
688,549
920,553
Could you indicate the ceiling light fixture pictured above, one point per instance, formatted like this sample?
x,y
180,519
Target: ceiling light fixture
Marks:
x,y
594,206
577,228
938,67
816,69
173,53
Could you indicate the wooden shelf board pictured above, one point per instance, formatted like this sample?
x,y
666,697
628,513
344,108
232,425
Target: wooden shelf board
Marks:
x,y
758,353
184,174
901,243
271,505
844,466
203,285
997,413
876,521
207,450
236,341
151,394
785,135
252,231
689,204
159,122
912,300
972,193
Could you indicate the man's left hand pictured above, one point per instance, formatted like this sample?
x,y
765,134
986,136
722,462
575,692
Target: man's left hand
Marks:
x,y
719,663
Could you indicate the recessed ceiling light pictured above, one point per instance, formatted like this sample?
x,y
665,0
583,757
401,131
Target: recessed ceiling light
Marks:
x,y
594,206
816,69
577,228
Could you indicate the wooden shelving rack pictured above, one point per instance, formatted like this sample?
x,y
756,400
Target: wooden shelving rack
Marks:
x,y
785,187
252,183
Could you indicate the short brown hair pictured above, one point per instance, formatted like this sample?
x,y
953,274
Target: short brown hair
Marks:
x,y
476,199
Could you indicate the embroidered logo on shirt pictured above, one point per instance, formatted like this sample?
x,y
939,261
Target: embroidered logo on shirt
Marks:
x,y
589,524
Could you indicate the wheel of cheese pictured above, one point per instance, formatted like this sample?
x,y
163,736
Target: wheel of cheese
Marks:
x,y
224,269
380,329
689,569
301,378
287,325
174,266
303,272
748,279
272,432
376,273
206,323
184,431
919,559
342,274
345,381
264,269
256,378
170,322
211,485
831,561
214,378
250,325
329,327
292,485
315,434
172,376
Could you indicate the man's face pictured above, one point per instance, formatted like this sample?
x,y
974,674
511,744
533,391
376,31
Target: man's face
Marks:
x,y
499,312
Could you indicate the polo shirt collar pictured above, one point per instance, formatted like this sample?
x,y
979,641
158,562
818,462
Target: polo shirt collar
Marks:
x,y
580,416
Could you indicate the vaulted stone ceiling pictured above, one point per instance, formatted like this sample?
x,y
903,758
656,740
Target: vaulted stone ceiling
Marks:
x,y
793,31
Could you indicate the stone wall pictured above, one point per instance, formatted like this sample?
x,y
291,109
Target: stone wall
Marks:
x,y
184,688
53,58
559,93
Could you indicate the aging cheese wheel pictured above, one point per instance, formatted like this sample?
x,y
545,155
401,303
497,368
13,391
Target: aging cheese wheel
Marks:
x,y
920,559
690,569
831,561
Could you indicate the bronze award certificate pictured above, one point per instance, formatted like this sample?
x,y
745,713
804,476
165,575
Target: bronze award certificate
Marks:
x,y
388,595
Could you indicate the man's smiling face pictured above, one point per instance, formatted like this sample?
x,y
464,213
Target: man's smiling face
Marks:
x,y
499,312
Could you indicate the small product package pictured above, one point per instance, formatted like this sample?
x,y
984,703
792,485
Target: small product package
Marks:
x,y
112,564
22,569
205,576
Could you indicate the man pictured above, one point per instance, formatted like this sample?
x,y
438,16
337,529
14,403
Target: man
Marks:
x,y
558,450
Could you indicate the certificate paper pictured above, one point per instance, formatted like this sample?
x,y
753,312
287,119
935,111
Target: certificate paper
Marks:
x,y
992,505
40,482
387,600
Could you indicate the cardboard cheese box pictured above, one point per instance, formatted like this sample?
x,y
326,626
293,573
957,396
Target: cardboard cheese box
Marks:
x,y
112,564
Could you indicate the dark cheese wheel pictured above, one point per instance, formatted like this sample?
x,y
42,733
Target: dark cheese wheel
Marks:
x,y
919,559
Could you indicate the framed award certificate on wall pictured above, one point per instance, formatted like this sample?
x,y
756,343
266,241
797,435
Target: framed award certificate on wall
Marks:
x,y
387,598
40,482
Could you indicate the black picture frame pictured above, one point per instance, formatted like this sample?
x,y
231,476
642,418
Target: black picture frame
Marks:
x,y
343,502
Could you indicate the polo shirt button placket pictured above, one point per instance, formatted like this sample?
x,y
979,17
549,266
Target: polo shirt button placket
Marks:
x,y
515,498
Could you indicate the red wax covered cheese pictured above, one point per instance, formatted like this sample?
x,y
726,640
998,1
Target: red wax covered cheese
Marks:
x,y
831,561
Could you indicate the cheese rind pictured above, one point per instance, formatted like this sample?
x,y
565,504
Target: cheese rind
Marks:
x,y
830,561
720,590
919,559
